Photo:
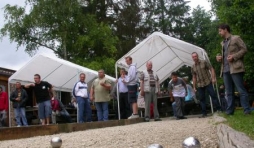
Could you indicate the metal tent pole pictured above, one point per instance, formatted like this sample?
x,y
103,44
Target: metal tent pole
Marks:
x,y
117,94
9,104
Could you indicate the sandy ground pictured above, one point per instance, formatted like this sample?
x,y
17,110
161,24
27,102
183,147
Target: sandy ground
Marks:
x,y
169,133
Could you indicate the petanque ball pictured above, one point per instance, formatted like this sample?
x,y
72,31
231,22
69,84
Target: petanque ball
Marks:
x,y
191,142
155,146
56,142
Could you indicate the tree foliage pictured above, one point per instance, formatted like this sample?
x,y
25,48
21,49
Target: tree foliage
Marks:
x,y
63,27
167,16
96,33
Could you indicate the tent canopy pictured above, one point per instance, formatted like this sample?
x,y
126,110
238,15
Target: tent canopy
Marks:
x,y
167,54
60,73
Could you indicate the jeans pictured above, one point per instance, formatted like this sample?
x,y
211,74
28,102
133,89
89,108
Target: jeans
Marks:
x,y
44,109
209,88
84,110
20,114
66,116
174,108
230,81
63,114
178,106
102,110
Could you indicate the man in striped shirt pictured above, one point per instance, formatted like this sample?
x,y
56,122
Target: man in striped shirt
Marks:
x,y
81,94
203,77
150,88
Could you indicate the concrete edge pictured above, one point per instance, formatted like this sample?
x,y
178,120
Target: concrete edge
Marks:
x,y
228,137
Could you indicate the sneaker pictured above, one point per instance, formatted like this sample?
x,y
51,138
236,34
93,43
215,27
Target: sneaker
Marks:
x,y
183,117
247,113
18,125
133,116
147,119
157,119
230,114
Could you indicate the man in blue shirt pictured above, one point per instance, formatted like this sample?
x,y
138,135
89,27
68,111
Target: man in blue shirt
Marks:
x,y
125,110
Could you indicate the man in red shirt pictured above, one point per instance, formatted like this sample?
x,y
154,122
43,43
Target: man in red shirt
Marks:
x,y
3,107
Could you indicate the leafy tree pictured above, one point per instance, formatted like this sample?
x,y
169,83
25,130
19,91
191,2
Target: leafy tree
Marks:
x,y
126,19
63,27
167,16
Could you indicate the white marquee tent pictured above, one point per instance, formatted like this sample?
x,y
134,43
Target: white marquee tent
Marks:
x,y
167,54
60,73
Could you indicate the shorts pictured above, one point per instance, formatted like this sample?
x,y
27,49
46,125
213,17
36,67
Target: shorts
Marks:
x,y
44,109
132,93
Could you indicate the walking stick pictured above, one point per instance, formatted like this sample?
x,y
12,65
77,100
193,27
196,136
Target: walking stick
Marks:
x,y
211,102
217,92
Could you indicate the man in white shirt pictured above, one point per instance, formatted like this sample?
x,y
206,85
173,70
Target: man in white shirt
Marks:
x,y
81,94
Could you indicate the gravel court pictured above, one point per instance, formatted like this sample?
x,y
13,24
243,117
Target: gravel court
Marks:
x,y
170,133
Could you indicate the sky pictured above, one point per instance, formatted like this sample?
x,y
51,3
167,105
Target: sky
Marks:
x,y
12,58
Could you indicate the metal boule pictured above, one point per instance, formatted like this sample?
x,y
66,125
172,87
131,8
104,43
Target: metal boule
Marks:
x,y
191,142
155,146
56,142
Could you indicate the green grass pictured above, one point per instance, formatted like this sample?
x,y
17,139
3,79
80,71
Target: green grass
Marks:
x,y
241,122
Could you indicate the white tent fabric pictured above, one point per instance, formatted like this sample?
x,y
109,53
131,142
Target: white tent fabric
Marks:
x,y
167,54
60,73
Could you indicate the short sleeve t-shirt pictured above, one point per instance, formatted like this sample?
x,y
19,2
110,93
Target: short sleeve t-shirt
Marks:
x,y
100,93
177,88
41,91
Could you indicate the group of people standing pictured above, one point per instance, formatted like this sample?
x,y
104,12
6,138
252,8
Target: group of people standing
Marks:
x,y
232,70
48,105
99,93
203,77
128,91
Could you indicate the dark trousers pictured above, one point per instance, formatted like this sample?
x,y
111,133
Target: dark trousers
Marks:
x,y
125,109
179,106
209,88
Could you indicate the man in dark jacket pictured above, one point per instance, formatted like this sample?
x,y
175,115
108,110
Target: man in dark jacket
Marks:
x,y
19,98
